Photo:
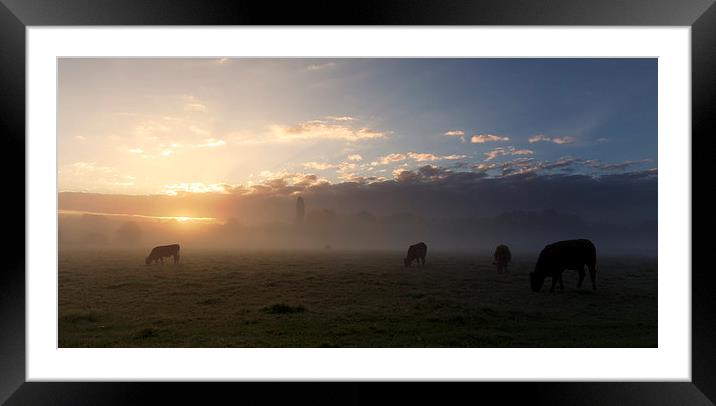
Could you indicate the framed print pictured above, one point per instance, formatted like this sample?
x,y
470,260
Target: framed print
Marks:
x,y
427,193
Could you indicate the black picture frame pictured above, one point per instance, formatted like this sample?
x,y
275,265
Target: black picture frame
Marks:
x,y
16,15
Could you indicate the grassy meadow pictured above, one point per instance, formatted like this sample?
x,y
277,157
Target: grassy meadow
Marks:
x,y
346,299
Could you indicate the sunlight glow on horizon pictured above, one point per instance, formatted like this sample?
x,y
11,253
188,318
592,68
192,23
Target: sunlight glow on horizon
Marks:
x,y
180,219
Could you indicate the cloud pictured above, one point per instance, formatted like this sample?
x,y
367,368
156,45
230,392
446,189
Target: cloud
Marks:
x,y
563,162
186,129
484,166
340,118
538,138
500,151
355,158
524,166
391,158
517,162
354,178
456,133
416,156
483,138
615,166
633,176
283,183
198,187
323,130
556,140
454,157
321,166
528,165
425,157
564,140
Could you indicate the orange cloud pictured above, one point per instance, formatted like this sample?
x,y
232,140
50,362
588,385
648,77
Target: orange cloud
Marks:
x,y
483,138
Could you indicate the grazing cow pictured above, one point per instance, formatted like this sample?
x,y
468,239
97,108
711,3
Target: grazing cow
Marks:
x,y
502,258
163,251
417,251
556,257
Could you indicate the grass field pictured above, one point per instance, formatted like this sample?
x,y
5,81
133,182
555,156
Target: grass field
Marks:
x,y
346,299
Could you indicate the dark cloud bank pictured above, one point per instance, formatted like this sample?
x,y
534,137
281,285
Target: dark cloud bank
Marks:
x,y
465,211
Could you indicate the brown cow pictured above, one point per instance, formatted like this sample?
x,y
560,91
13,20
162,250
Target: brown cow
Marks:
x,y
502,258
163,251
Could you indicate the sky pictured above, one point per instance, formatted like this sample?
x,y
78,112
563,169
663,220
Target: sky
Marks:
x,y
254,126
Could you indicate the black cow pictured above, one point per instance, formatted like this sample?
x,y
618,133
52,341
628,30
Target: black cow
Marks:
x,y
163,251
556,257
416,251
502,257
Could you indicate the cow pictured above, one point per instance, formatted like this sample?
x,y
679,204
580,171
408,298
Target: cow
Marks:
x,y
561,255
502,258
163,251
416,251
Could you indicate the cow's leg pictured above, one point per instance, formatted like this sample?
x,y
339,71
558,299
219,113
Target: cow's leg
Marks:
x,y
554,282
561,285
162,259
581,277
593,275
423,259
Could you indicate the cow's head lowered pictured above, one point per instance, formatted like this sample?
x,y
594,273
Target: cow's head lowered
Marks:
x,y
540,273
536,281
148,260
407,261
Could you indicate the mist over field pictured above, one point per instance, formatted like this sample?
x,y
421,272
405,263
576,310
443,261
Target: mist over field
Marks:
x,y
619,214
